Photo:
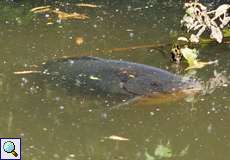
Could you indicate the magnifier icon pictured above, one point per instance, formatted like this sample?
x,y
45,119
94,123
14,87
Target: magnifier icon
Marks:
x,y
9,147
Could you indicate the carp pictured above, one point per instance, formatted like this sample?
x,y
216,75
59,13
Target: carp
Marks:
x,y
115,77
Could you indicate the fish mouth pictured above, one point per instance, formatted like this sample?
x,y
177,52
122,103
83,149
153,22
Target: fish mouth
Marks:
x,y
192,87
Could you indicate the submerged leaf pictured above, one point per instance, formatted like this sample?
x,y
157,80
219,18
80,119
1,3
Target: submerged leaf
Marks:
x,y
94,78
184,151
117,138
148,156
163,151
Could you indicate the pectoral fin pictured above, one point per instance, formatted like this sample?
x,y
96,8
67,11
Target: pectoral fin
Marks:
x,y
152,99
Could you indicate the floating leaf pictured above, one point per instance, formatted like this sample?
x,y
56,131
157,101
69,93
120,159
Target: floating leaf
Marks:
x,y
182,39
189,54
198,64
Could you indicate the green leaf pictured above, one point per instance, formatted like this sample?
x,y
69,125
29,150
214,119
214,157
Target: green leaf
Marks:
x,y
190,55
226,33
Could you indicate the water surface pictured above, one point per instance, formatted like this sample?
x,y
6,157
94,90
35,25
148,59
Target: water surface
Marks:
x,y
55,124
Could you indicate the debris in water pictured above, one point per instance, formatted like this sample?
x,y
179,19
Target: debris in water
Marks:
x,y
87,5
49,23
165,151
65,16
61,14
94,78
219,80
41,9
26,72
117,138
184,151
79,40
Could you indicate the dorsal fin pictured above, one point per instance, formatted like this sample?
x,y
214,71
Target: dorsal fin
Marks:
x,y
73,58
89,58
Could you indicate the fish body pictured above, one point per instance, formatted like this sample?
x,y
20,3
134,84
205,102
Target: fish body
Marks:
x,y
113,77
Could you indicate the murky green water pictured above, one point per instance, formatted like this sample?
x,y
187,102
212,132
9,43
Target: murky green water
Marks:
x,y
55,124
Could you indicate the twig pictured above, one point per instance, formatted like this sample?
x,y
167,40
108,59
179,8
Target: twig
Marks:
x,y
25,72
155,46
40,9
139,47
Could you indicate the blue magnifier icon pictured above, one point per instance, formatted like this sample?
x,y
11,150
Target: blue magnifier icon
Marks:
x,y
9,147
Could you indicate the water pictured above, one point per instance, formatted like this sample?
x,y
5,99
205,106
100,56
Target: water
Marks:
x,y
55,124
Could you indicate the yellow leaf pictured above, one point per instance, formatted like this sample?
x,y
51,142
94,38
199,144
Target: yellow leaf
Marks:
x,y
199,64
226,32
190,55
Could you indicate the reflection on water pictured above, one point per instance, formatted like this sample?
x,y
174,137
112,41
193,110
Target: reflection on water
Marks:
x,y
54,124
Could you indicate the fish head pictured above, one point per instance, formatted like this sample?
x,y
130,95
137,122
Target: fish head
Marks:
x,y
182,84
